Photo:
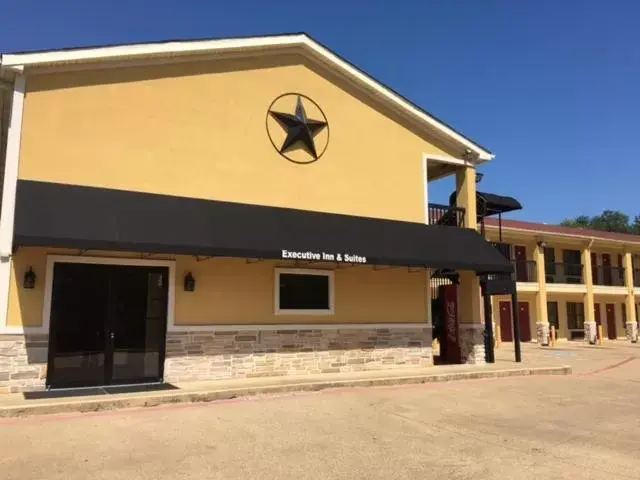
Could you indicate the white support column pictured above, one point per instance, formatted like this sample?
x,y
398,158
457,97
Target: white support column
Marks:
x,y
7,212
425,188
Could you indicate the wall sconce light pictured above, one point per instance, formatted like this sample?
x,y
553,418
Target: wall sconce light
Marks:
x,y
479,177
542,244
189,283
29,279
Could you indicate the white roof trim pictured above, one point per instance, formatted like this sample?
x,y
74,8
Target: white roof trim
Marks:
x,y
21,60
579,236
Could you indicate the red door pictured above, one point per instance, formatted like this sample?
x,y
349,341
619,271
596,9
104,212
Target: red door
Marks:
x,y
521,263
506,332
606,269
594,269
597,317
620,271
612,334
525,324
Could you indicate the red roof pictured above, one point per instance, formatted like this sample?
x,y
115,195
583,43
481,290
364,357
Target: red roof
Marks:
x,y
560,230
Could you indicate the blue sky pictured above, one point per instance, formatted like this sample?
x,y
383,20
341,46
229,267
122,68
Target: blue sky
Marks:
x,y
551,87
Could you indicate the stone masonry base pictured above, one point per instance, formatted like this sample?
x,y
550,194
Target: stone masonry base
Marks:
x,y
23,362
472,343
542,332
590,332
243,353
632,332
193,356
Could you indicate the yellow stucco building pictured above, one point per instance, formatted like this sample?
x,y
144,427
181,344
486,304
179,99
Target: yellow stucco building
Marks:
x,y
572,279
223,208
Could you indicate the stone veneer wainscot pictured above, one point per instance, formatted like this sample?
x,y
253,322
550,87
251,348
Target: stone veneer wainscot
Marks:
x,y
23,362
224,353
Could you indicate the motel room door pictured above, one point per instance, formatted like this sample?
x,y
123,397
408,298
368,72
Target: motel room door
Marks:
x,y
612,332
506,323
598,318
506,327
108,325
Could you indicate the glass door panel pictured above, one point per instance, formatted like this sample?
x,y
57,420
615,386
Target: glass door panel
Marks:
x,y
79,306
138,323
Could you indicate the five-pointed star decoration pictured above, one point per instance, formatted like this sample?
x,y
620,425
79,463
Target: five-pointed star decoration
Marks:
x,y
299,128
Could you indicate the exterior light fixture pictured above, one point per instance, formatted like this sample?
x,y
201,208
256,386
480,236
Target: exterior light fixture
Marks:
x,y
189,283
29,279
479,177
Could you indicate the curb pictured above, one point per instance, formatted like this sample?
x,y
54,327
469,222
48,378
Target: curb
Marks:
x,y
153,400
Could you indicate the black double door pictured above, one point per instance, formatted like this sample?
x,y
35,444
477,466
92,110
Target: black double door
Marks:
x,y
108,325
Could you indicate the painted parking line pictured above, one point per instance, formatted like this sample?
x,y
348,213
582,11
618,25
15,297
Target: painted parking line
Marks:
x,y
607,368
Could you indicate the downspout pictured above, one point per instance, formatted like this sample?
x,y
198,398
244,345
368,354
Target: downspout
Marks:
x,y
6,91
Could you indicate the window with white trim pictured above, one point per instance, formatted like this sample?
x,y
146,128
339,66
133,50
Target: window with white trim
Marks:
x,y
304,292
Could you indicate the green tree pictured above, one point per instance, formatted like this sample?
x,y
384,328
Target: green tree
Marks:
x,y
582,221
608,221
611,221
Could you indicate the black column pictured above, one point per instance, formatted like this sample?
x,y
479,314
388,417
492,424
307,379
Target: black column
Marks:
x,y
516,324
488,330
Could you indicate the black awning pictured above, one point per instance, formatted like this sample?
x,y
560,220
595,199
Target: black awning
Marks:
x,y
488,204
57,215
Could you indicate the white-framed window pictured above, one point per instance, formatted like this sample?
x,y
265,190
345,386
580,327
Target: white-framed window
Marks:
x,y
299,291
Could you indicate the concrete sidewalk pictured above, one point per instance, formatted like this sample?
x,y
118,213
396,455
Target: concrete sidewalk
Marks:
x,y
13,405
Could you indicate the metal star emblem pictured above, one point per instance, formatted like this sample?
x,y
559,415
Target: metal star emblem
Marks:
x,y
300,130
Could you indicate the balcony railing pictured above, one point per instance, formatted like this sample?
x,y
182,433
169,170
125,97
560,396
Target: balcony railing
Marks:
x,y
503,248
563,273
446,215
607,275
525,271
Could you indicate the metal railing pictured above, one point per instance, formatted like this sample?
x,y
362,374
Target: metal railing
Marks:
x,y
442,278
558,272
525,271
607,275
446,215
503,248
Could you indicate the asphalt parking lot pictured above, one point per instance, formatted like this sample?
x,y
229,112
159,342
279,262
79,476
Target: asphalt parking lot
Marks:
x,y
586,425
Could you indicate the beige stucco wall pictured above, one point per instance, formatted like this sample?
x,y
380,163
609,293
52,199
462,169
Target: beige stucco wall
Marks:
x,y
230,291
199,130
25,305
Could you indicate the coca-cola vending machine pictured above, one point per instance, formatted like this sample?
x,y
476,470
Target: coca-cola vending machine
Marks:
x,y
450,340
